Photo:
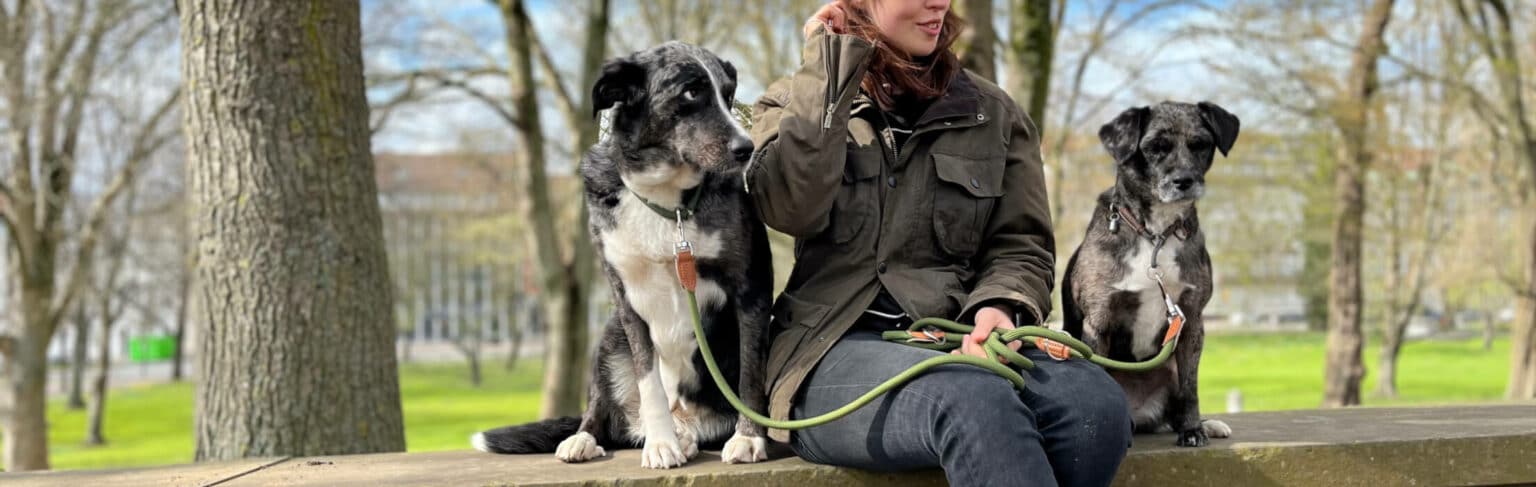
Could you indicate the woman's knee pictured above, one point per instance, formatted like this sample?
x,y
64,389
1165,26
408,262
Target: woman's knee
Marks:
x,y
1100,401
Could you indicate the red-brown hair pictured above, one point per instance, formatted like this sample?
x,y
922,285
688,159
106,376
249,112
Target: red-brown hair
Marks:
x,y
893,72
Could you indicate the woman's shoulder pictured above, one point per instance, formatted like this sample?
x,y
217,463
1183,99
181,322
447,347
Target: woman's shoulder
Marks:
x,y
777,93
991,94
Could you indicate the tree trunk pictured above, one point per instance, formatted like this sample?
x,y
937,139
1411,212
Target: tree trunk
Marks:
x,y
184,293
1032,48
1396,319
980,54
22,405
1391,347
1343,368
474,369
296,356
520,324
567,283
79,360
93,434
1522,337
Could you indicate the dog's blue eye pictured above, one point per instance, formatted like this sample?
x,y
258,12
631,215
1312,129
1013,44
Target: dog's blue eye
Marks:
x,y
691,95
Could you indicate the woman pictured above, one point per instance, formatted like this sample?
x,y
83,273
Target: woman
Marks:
x,y
915,189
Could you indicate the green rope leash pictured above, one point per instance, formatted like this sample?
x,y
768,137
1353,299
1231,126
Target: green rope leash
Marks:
x,y
994,346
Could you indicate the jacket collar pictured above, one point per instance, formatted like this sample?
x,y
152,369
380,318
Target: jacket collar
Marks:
x,y
962,100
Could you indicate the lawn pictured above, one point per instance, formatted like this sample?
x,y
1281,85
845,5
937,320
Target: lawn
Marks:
x,y
152,425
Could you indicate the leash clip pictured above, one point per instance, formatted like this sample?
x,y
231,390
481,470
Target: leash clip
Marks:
x,y
927,335
1175,323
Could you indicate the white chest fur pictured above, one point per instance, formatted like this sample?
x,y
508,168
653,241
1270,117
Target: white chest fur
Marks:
x,y
1151,314
640,248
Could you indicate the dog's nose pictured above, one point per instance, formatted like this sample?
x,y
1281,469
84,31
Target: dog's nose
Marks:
x,y
1184,183
741,149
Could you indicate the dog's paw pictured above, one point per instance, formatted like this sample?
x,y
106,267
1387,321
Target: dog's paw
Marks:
x,y
662,453
688,442
744,449
1215,428
1193,438
580,447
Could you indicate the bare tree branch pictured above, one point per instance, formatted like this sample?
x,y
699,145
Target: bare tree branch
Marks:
x,y
447,79
554,83
144,146
5,206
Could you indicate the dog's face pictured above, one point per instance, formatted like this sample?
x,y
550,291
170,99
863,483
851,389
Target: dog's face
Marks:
x,y
1163,151
674,97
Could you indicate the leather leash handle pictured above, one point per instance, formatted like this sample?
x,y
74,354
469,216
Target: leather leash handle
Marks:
x,y
687,267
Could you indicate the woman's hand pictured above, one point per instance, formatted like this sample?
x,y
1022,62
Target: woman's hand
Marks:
x,y
987,319
831,14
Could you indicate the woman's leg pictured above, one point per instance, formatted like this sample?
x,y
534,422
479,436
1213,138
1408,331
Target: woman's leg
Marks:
x,y
1082,414
966,420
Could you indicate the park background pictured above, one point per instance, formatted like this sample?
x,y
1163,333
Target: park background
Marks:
x,y
1372,230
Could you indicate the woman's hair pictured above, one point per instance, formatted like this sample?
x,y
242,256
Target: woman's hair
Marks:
x,y
893,72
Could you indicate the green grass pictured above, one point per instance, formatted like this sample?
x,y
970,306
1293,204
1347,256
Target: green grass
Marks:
x,y
1285,371
152,425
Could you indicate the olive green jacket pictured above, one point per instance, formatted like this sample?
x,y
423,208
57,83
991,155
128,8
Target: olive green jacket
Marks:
x,y
956,220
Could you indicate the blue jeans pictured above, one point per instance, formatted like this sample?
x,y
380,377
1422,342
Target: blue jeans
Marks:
x,y
1071,427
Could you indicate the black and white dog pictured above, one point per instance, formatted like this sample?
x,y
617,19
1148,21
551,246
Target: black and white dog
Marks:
x,y
1144,230
673,149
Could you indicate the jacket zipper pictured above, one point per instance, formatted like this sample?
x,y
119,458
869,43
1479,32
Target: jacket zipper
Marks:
x,y
890,139
827,54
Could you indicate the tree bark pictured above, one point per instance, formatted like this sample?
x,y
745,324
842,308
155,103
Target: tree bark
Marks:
x,y
296,356
1343,368
980,55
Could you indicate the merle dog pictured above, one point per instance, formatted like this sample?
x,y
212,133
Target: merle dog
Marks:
x,y
1145,229
673,149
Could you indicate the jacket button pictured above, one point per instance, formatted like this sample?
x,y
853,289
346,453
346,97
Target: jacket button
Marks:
x,y
891,181
881,267
981,117
975,184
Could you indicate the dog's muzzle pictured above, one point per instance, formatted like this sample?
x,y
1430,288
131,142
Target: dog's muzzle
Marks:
x,y
1180,188
741,149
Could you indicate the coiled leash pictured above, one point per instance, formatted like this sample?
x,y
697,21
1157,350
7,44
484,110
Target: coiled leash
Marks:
x,y
929,333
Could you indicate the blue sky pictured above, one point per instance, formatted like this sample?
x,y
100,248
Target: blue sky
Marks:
x,y
1175,71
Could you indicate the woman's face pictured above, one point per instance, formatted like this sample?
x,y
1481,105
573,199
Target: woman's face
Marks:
x,y
912,26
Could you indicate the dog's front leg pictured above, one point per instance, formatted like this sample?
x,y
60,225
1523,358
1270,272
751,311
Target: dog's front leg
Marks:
x,y
749,444
1184,405
662,449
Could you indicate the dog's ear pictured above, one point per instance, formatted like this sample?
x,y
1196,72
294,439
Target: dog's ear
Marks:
x,y
1223,125
730,70
1122,136
622,81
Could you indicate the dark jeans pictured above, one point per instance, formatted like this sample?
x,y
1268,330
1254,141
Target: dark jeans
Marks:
x,y
1071,427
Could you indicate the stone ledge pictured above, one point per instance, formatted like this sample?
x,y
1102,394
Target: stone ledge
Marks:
x,y
1470,445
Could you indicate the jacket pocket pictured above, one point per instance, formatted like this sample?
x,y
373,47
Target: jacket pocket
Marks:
x,y
963,202
794,321
857,197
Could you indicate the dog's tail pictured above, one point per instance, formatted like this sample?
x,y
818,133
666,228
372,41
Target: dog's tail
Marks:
x,y
536,437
